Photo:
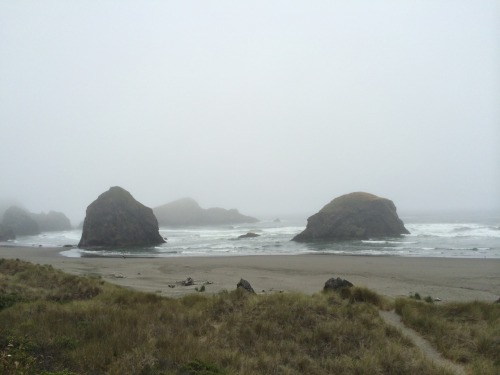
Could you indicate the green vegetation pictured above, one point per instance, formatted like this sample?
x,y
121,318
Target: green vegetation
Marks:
x,y
466,333
54,323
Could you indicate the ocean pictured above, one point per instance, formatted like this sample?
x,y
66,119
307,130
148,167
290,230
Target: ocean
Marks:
x,y
432,235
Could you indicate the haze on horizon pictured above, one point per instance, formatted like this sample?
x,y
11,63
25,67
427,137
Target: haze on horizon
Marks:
x,y
269,107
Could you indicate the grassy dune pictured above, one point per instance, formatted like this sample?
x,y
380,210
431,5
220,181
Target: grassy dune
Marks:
x,y
54,323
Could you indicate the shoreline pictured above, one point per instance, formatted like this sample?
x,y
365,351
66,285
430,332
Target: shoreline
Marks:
x,y
449,279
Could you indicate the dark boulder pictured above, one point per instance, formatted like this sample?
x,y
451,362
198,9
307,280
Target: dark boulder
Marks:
x,y
245,285
336,284
354,216
6,233
20,221
249,235
116,219
53,221
187,212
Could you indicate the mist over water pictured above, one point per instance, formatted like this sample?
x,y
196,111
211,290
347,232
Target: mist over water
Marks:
x,y
273,108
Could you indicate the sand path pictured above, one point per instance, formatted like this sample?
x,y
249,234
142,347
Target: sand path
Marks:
x,y
393,319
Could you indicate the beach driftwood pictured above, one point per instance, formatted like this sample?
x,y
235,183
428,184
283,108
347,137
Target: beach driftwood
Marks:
x,y
189,281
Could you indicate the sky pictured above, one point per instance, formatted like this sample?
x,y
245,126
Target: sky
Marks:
x,y
271,107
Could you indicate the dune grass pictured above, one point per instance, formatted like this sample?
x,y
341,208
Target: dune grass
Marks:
x,y
54,323
466,333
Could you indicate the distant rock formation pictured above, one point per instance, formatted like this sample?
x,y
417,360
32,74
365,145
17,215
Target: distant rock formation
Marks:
x,y
354,216
6,203
53,221
23,222
6,233
187,212
20,221
116,219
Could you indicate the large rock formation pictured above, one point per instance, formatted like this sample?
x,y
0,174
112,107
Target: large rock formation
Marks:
x,y
354,216
186,212
53,221
20,221
116,219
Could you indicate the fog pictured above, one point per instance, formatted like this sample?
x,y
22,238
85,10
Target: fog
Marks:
x,y
271,107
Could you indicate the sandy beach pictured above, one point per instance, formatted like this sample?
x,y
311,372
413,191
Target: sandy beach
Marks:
x,y
449,279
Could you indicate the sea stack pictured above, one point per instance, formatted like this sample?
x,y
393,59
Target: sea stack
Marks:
x,y
116,219
353,216
53,221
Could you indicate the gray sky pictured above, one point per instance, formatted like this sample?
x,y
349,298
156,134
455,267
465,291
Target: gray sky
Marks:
x,y
265,106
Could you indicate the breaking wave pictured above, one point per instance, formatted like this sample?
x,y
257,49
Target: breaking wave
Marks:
x,y
427,239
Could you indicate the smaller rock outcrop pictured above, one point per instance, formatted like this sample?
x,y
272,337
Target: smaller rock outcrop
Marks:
x,y
336,284
354,216
116,219
245,285
187,212
6,233
23,222
249,235
20,222
53,221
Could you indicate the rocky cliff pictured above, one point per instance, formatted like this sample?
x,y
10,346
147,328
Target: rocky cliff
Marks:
x,y
116,219
354,216
187,212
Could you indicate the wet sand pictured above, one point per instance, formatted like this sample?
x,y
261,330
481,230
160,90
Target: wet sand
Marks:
x,y
449,279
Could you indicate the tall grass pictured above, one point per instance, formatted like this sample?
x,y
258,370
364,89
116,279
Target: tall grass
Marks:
x,y
467,333
85,326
